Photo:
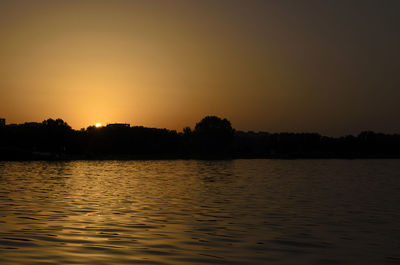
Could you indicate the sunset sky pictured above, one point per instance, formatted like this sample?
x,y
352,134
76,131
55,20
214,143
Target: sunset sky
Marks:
x,y
300,66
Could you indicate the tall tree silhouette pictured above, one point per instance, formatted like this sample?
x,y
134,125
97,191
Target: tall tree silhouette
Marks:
x,y
213,135
58,134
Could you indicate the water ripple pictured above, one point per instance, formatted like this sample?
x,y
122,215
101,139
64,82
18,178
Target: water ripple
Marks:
x,y
200,212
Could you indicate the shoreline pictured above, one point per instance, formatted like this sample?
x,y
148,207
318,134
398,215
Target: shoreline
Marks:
x,y
67,157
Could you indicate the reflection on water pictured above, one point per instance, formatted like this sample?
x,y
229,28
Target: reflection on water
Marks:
x,y
200,212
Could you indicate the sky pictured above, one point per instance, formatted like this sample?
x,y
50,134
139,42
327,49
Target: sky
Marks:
x,y
278,66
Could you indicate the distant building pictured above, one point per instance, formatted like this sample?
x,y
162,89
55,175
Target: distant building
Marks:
x,y
32,124
2,122
118,125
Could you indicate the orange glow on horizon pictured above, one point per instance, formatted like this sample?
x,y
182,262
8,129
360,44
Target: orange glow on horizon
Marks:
x,y
168,64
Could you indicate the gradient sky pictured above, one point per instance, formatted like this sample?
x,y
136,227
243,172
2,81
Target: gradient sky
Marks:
x,y
299,66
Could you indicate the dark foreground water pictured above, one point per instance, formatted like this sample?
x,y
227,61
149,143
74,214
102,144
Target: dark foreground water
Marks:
x,y
200,212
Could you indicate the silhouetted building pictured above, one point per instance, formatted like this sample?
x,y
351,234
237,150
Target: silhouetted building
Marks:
x,y
2,122
32,124
118,125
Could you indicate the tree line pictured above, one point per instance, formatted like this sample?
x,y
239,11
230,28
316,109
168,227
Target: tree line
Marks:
x,y
211,138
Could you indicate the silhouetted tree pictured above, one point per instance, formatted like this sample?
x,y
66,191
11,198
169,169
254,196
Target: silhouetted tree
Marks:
x,y
187,131
213,136
57,134
57,124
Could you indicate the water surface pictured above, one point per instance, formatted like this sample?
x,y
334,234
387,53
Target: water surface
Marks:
x,y
200,212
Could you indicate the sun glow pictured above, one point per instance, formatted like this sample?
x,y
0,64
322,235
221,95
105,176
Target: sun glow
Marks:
x,y
98,125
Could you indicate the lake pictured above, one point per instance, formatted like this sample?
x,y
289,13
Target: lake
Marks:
x,y
200,212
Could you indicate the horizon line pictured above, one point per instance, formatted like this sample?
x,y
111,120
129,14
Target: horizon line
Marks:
x,y
3,123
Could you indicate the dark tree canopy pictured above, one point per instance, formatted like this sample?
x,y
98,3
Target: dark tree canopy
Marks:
x,y
58,123
213,135
213,124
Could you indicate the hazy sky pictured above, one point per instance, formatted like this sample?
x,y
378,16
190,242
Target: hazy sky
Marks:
x,y
315,66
